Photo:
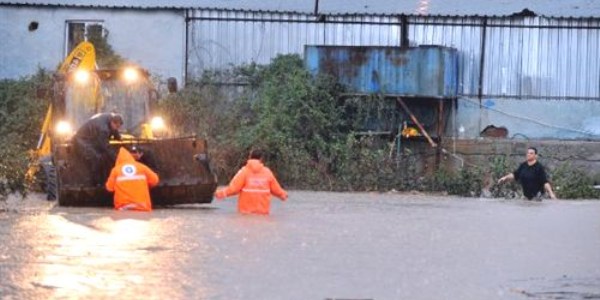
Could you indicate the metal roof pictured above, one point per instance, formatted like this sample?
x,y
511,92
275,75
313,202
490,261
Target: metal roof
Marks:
x,y
549,8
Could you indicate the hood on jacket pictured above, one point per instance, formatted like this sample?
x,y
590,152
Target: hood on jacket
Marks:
x,y
255,165
124,157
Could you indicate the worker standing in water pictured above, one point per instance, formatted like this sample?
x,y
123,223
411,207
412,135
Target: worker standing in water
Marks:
x,y
255,183
131,182
532,176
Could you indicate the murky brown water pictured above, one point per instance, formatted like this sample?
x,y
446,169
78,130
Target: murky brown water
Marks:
x,y
315,246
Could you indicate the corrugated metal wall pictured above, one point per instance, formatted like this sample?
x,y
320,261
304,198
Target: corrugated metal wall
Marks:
x,y
503,61
523,57
221,39
538,77
543,58
464,34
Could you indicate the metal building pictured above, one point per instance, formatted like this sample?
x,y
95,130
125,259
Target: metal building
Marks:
x,y
530,66
532,74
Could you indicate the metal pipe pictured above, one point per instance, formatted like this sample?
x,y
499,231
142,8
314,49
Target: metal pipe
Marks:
x,y
484,19
481,69
290,21
187,49
404,41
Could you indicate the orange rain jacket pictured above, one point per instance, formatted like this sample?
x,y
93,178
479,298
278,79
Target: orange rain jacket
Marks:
x,y
255,183
130,181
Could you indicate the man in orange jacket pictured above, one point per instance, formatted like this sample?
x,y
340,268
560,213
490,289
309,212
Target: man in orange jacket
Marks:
x,y
130,181
255,183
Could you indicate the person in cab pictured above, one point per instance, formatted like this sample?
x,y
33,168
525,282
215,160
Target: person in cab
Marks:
x,y
92,143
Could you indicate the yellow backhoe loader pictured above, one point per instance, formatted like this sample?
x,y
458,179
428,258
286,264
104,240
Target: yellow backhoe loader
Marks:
x,y
78,92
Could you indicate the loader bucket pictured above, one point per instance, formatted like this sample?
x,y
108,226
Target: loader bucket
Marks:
x,y
182,165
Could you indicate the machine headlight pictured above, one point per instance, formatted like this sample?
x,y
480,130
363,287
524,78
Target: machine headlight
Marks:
x,y
131,75
63,128
82,77
157,124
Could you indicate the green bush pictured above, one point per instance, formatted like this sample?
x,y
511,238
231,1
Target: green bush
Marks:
x,y
311,132
316,137
570,182
21,116
466,182
498,167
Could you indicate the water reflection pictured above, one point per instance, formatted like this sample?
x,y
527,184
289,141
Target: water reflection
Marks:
x,y
111,244
119,255
316,246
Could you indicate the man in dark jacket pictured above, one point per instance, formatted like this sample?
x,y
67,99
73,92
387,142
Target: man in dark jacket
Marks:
x,y
92,143
532,176
142,156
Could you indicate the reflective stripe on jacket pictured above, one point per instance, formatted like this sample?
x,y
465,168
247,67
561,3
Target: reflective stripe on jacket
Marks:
x,y
255,183
130,181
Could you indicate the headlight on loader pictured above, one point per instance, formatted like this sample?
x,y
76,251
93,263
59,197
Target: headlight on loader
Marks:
x,y
131,75
82,77
158,124
63,128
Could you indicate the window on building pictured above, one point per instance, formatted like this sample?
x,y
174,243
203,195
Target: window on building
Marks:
x,y
79,31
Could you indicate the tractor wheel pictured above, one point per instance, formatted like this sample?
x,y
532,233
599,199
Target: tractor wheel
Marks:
x,y
49,178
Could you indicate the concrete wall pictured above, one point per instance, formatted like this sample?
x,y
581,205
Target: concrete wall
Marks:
x,y
457,153
151,38
539,119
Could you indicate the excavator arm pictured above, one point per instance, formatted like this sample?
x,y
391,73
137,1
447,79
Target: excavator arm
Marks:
x,y
83,57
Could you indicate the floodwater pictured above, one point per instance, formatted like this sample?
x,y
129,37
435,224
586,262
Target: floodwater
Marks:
x,y
317,245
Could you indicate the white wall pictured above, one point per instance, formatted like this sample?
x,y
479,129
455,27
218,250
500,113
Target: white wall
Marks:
x,y
531,119
153,39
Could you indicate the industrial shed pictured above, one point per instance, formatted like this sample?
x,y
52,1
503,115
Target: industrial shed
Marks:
x,y
532,67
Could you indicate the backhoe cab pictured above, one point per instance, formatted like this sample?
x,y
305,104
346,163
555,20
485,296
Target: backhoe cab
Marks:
x,y
78,92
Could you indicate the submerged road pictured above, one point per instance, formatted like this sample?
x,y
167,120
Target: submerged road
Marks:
x,y
317,245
